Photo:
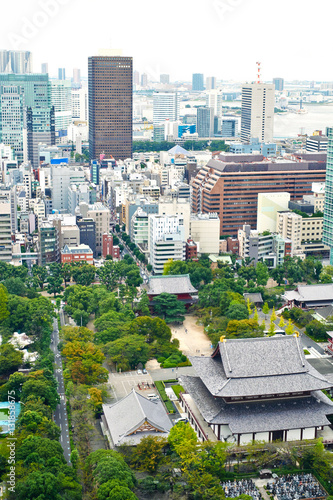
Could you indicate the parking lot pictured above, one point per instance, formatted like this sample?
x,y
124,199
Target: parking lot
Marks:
x,y
122,384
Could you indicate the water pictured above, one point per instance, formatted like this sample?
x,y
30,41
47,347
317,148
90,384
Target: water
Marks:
x,y
318,117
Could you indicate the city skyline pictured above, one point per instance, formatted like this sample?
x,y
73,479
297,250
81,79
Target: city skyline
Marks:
x,y
40,23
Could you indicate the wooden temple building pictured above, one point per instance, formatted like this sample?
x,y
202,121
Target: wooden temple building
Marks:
x,y
257,389
177,284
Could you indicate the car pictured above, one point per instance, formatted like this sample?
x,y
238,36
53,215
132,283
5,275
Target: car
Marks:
x,y
144,371
139,372
180,420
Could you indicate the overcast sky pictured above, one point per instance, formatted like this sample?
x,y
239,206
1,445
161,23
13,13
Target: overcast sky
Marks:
x,y
222,38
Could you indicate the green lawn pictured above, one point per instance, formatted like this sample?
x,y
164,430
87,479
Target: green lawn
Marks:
x,y
177,389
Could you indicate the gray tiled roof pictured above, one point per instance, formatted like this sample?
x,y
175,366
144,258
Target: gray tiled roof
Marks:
x,y
310,293
260,416
263,366
130,413
174,284
254,297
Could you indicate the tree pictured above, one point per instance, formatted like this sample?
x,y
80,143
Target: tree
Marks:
x,y
278,274
273,315
169,307
316,330
15,286
83,274
256,316
143,305
41,388
54,285
237,311
262,274
248,305
282,323
128,351
4,313
40,274
148,454
289,328
265,309
84,361
183,439
66,273
10,359
271,329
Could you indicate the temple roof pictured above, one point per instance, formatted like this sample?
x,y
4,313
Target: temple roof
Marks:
x,y
257,367
130,413
260,416
174,284
311,293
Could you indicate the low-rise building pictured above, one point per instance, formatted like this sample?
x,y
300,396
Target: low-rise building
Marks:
x,y
79,253
268,247
109,248
178,285
205,231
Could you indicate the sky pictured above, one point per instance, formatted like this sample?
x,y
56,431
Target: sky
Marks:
x,y
222,38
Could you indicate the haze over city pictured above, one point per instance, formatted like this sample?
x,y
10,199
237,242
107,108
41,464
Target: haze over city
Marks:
x,y
219,37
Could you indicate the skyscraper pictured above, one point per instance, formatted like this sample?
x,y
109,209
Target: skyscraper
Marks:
x,y
45,68
76,76
136,78
144,80
205,121
61,99
25,105
278,83
15,61
257,113
197,82
214,99
165,79
165,106
61,74
210,83
110,90
328,206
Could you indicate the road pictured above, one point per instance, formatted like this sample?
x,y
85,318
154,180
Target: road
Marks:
x,y
60,414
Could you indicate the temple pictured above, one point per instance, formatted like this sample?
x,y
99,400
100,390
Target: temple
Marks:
x,y
257,389
178,285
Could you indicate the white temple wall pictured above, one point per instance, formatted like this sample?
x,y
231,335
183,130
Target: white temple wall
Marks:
x,y
309,433
294,435
246,438
261,436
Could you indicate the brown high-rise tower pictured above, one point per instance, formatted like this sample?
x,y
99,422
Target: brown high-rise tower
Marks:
x,y
110,81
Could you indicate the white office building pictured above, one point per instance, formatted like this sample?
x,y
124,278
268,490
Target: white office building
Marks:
x,y
166,240
62,177
166,106
80,104
257,112
5,232
214,99
61,99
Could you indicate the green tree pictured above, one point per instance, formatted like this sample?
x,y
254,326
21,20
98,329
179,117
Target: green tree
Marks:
x,y
256,316
271,329
282,322
40,275
273,315
4,313
248,305
183,439
316,330
265,309
66,273
143,305
128,351
83,274
148,454
154,329
54,285
289,328
262,274
169,307
15,286
10,359
237,311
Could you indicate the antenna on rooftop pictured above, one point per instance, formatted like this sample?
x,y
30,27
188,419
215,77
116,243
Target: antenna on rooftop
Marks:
x,y
258,72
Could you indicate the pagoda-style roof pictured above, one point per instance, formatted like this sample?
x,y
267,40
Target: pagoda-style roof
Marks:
x,y
173,284
134,417
258,368
312,294
260,416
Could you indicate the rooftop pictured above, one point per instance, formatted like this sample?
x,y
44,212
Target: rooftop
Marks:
x,y
174,284
311,293
128,418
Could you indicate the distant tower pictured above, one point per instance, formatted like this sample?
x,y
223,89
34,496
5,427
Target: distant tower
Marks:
x,y
136,78
61,74
76,76
257,111
144,80
197,82
279,84
15,61
210,83
45,68
164,79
